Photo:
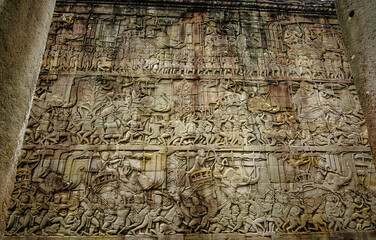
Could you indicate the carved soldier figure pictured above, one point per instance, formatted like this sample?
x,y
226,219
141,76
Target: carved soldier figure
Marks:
x,y
197,211
89,218
154,131
307,215
333,210
212,209
199,161
60,125
122,221
280,212
39,209
350,209
190,130
247,134
110,215
244,208
53,216
112,126
98,135
134,129
85,126
21,218
44,127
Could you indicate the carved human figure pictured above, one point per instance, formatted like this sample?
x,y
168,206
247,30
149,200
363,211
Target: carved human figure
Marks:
x,y
280,212
21,218
175,218
43,128
197,211
97,136
255,218
112,126
85,129
135,128
190,130
213,207
121,221
333,210
236,136
110,215
155,214
53,216
293,218
143,219
38,210
247,134
244,208
199,161
319,219
350,210
60,125
307,215
89,218
225,219
153,132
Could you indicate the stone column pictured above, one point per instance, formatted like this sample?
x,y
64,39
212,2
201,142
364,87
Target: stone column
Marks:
x,y
358,22
24,26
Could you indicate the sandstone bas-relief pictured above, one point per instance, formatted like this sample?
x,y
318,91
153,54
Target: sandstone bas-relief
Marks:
x,y
157,122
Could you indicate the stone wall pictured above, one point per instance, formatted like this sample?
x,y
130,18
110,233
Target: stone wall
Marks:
x,y
177,119
356,19
24,26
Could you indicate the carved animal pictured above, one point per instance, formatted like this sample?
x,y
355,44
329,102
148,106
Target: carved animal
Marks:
x,y
334,181
236,177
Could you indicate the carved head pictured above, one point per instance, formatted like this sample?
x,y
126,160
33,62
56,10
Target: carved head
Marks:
x,y
23,154
94,198
201,152
157,199
105,155
81,210
39,198
243,199
110,118
330,198
64,198
283,198
135,116
24,198
235,210
57,198
195,201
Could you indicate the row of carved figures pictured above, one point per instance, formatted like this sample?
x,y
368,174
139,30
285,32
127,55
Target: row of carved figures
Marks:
x,y
221,128
266,65
159,213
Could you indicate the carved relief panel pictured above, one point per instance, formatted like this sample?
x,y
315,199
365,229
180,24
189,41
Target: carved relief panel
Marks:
x,y
148,121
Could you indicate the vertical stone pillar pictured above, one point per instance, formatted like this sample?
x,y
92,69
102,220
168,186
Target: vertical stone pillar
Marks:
x,y
358,22
24,26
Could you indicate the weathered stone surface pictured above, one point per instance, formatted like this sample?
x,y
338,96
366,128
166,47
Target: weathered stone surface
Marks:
x,y
357,20
199,123
23,32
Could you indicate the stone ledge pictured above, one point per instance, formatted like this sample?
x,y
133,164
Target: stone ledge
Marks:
x,y
308,7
